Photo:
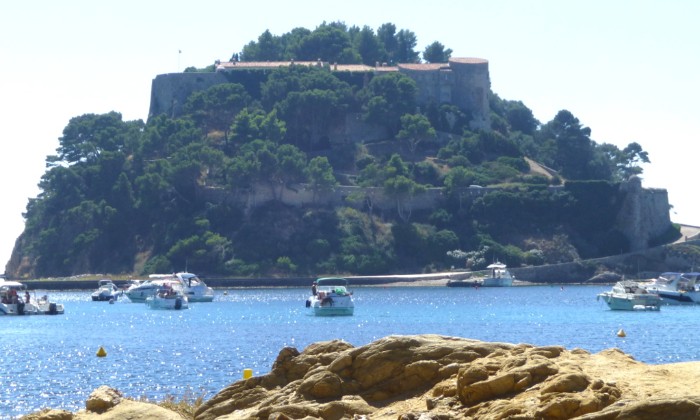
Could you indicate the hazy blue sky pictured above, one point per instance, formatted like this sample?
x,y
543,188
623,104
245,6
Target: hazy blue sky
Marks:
x,y
626,69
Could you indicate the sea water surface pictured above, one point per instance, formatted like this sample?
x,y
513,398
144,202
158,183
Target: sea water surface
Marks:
x,y
51,362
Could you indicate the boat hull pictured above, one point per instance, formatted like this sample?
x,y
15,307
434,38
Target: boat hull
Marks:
x,y
330,297
463,283
199,294
333,311
176,303
631,302
498,282
675,298
44,308
104,298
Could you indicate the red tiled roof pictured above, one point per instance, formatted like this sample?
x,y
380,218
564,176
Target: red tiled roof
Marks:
x,y
265,64
469,60
424,67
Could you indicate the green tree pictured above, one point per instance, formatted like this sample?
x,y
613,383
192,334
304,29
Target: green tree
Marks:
x,y
574,148
86,137
369,47
254,124
216,107
330,43
415,128
386,34
387,98
268,48
309,114
402,190
320,175
632,156
436,53
406,47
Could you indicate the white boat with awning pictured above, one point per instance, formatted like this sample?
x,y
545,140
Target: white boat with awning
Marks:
x,y
330,296
628,295
15,299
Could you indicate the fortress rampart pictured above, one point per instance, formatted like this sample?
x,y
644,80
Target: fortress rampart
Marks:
x,y
463,82
644,214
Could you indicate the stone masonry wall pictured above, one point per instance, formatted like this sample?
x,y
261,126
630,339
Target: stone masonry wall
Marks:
x,y
644,214
643,217
170,91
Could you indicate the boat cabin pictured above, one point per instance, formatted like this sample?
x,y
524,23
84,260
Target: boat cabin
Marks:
x,y
329,286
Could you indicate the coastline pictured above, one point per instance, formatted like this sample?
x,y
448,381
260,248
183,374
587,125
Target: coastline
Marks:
x,y
396,280
430,279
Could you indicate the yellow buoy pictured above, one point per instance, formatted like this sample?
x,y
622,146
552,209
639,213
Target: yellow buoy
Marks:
x,y
101,352
247,373
621,333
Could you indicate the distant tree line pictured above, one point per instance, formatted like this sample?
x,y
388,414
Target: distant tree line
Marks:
x,y
335,42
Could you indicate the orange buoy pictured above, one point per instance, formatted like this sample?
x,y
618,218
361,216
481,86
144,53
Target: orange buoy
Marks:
x,y
101,352
247,373
621,333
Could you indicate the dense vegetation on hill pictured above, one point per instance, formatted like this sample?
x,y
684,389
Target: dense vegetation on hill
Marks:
x,y
122,196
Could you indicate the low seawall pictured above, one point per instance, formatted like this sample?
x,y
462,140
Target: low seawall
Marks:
x,y
240,282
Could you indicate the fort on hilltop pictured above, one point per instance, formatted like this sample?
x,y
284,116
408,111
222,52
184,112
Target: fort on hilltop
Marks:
x,y
463,82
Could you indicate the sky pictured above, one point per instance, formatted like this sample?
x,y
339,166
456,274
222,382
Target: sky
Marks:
x,y
626,69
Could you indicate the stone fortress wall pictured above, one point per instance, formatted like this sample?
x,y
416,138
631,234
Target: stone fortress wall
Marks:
x,y
644,214
463,82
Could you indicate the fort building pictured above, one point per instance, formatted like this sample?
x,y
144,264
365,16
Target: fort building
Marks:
x,y
463,82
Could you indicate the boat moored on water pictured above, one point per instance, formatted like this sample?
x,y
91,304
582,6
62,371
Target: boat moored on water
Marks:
x,y
106,291
192,286
628,295
498,276
331,297
675,288
140,291
169,296
15,299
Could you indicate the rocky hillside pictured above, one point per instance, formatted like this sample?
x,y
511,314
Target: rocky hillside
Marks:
x,y
436,377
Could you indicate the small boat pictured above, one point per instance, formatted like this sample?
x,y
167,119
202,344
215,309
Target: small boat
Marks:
x,y
465,283
628,295
499,276
16,300
140,290
675,288
169,296
106,291
330,296
193,287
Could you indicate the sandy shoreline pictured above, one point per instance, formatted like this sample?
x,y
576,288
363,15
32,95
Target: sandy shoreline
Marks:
x,y
398,280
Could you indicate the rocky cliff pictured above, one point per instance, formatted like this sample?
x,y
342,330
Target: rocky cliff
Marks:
x,y
437,377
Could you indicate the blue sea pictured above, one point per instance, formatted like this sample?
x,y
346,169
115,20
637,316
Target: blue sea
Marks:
x,y
50,361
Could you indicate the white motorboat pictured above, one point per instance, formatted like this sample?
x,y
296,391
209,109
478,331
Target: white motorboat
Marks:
x,y
498,276
106,291
628,295
193,287
15,299
330,296
169,296
139,291
675,288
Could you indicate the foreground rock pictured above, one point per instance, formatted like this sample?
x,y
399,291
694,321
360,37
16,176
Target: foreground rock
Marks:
x,y
106,403
435,377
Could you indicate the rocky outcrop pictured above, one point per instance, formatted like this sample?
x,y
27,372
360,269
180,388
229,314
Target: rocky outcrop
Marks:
x,y
437,377
106,403
431,377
